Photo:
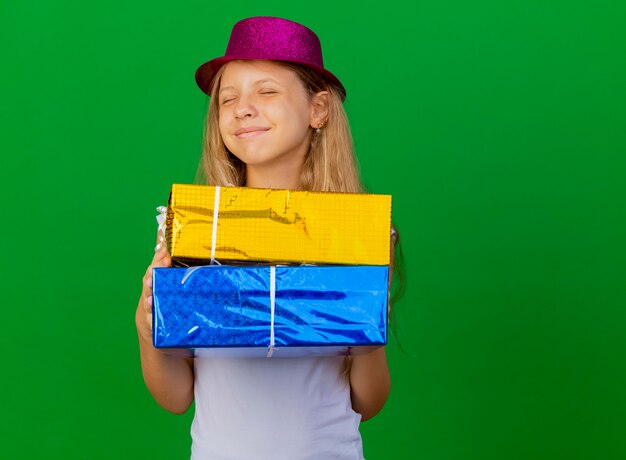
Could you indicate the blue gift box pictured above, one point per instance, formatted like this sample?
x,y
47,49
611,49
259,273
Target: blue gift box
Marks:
x,y
262,310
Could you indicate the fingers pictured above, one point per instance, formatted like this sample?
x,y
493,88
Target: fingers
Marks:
x,y
146,285
161,258
144,317
147,306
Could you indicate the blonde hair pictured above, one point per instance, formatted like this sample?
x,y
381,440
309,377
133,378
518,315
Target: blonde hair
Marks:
x,y
330,165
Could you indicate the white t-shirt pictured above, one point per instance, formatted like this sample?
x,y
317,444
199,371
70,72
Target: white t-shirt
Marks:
x,y
277,408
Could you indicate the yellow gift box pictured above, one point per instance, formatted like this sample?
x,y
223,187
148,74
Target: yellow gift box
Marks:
x,y
281,226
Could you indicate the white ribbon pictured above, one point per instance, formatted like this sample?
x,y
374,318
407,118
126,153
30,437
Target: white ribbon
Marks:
x,y
161,220
189,272
216,205
271,348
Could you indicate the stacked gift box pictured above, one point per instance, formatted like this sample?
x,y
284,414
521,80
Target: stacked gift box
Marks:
x,y
266,272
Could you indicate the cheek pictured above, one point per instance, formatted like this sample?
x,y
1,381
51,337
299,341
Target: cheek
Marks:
x,y
295,119
222,122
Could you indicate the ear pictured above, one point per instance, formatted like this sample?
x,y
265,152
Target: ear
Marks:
x,y
319,109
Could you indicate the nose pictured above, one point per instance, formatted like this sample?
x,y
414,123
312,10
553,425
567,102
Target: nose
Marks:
x,y
244,108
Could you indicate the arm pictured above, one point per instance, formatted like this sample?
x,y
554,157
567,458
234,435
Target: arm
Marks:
x,y
169,378
370,381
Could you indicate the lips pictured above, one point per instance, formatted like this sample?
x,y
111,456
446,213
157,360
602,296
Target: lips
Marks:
x,y
250,131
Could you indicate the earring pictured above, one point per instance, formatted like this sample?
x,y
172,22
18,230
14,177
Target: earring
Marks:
x,y
317,130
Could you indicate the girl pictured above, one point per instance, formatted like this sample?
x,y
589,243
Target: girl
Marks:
x,y
276,120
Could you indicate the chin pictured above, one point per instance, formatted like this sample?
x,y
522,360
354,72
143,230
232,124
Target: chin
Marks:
x,y
255,158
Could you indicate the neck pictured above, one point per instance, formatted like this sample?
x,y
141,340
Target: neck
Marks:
x,y
266,177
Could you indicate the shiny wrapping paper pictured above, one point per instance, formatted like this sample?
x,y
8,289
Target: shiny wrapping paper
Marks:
x,y
279,226
317,310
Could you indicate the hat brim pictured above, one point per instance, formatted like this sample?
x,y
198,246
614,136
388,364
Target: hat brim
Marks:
x,y
205,74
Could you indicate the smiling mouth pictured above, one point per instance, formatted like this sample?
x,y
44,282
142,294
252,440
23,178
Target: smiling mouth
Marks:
x,y
244,133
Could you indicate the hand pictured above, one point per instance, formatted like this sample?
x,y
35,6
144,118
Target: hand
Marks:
x,y
169,378
144,309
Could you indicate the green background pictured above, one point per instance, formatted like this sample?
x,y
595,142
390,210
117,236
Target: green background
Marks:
x,y
498,126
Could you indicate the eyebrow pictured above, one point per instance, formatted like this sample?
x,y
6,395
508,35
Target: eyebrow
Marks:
x,y
258,82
